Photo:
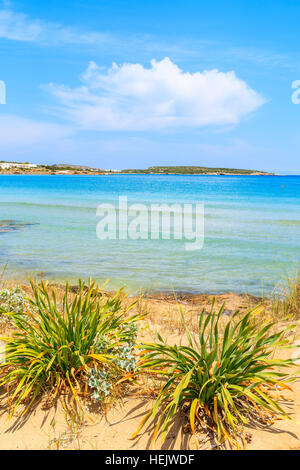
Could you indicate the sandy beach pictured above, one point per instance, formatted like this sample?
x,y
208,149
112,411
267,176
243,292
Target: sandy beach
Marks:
x,y
51,425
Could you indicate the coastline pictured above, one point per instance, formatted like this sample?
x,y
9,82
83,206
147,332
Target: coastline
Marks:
x,y
154,293
64,169
234,301
83,173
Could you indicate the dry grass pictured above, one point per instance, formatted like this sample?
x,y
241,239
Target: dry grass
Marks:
x,y
286,299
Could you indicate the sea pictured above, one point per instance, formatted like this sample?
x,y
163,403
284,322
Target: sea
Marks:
x,y
251,231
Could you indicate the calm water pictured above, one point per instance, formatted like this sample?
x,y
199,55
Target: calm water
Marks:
x,y
252,231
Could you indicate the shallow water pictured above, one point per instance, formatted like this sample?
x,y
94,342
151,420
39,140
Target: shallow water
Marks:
x,y
252,231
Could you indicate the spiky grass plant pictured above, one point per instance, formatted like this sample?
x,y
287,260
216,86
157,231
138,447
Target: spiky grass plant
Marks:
x,y
225,379
59,346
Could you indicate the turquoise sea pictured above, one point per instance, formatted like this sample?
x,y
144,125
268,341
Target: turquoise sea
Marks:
x,y
252,231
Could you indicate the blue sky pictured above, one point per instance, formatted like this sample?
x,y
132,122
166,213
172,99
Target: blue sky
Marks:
x,y
129,84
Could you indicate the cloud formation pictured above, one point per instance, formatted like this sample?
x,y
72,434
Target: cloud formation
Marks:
x,y
20,27
21,133
131,97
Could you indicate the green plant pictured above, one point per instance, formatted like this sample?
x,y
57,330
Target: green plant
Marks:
x,y
11,301
56,345
122,356
225,379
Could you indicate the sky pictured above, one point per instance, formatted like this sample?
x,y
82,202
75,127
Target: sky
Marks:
x,y
121,84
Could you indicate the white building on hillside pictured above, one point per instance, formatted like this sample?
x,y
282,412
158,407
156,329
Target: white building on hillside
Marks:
x,y
9,165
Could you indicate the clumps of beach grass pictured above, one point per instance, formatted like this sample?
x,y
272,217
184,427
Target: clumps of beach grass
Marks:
x,y
226,376
286,300
84,346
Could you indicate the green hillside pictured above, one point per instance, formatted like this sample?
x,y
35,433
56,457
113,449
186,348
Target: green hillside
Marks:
x,y
194,170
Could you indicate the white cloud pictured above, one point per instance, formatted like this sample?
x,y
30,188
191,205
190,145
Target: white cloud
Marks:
x,y
21,133
17,26
131,97
20,27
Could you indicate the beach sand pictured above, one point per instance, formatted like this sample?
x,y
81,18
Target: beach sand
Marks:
x,y
48,426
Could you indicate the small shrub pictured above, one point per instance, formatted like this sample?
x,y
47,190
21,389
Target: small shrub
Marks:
x,y
225,379
11,301
122,356
84,342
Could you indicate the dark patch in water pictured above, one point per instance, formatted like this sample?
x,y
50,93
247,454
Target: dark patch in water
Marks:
x,y
12,225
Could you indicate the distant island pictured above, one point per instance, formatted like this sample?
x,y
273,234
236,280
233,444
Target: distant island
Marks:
x,y
70,169
195,170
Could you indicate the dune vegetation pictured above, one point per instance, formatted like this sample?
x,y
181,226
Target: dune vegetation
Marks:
x,y
286,300
226,374
85,344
